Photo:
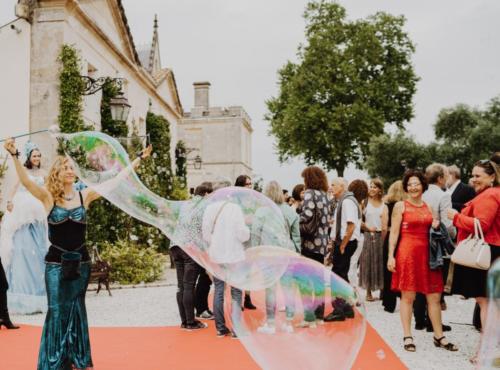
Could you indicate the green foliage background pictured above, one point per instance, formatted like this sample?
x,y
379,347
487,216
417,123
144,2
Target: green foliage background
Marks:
x,y
463,134
352,78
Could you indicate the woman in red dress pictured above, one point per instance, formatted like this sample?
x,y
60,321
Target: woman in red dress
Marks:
x,y
411,221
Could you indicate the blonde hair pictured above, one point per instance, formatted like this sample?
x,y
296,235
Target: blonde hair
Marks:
x,y
274,192
55,184
395,193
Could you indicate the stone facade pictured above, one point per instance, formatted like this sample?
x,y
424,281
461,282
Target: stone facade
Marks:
x,y
98,29
222,137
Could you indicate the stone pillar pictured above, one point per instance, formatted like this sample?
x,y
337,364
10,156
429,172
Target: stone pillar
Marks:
x,y
47,37
201,94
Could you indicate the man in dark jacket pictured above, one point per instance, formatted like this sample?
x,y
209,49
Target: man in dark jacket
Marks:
x,y
460,192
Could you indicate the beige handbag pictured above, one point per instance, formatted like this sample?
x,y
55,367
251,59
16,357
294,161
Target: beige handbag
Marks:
x,y
474,251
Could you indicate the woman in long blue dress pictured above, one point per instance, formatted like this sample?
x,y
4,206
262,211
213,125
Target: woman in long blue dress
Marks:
x,y
65,340
23,242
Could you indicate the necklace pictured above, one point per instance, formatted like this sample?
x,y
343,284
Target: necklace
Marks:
x,y
70,198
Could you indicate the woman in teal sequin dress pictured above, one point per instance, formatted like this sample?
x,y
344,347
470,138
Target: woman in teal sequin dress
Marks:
x,y
65,343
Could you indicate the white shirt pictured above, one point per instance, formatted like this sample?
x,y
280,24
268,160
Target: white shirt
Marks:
x,y
225,233
452,188
349,214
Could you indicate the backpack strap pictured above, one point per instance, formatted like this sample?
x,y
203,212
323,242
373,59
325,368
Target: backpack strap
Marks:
x,y
217,216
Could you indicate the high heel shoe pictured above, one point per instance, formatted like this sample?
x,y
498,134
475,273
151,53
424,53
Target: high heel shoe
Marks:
x,y
448,346
8,324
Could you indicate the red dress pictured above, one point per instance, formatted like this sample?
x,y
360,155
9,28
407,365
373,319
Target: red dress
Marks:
x,y
412,257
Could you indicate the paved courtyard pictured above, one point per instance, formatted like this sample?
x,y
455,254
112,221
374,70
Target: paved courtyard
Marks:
x,y
155,306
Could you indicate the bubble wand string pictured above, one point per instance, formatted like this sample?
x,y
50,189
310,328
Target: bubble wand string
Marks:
x,y
28,134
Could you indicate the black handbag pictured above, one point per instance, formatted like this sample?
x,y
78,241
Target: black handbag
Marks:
x,y
308,229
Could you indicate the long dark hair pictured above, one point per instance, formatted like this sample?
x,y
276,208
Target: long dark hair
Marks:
x,y
28,163
241,180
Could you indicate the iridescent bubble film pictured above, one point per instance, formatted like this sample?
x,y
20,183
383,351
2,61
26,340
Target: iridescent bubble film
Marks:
x,y
489,355
240,236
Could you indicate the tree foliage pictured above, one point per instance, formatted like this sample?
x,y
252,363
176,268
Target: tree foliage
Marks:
x,y
71,88
464,136
352,78
181,162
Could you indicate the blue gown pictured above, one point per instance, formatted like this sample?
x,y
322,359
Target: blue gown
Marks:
x,y
23,245
65,342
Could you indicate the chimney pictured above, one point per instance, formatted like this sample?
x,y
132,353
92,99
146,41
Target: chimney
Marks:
x,y
201,94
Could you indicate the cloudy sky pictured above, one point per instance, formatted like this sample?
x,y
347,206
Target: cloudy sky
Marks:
x,y
238,45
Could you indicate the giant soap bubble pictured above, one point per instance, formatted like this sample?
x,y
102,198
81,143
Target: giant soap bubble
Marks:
x,y
489,355
251,234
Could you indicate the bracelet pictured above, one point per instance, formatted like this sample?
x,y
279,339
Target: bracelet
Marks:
x,y
16,154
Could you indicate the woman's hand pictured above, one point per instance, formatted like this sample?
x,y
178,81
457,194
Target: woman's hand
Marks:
x,y
451,213
10,146
391,264
435,224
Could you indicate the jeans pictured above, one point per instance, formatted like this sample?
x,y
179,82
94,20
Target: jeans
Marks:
x,y
236,294
313,291
201,292
187,272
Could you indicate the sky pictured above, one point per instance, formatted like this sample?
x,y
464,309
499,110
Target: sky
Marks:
x,y
239,45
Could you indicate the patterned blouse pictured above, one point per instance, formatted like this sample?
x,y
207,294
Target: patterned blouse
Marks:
x,y
316,201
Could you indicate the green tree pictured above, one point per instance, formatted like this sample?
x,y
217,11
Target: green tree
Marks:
x,y
181,162
391,155
352,78
466,135
71,88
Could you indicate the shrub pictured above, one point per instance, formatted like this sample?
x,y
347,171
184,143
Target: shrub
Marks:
x,y
132,263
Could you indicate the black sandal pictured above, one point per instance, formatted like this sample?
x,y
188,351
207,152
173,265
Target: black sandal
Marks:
x,y
410,347
448,346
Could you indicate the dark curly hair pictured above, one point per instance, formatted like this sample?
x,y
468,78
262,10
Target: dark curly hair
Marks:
x,y
297,189
315,178
414,173
360,190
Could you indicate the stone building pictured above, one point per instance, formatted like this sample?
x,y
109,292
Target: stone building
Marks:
x,y
222,137
98,29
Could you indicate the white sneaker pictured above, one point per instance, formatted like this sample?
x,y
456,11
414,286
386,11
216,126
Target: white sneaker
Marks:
x,y
307,324
266,329
287,327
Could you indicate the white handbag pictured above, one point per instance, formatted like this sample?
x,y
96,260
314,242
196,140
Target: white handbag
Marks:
x,y
474,251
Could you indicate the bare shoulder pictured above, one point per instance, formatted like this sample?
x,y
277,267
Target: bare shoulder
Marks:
x,y
399,207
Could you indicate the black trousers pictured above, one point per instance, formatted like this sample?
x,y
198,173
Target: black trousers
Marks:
x,y
316,282
342,262
3,292
201,291
389,297
187,272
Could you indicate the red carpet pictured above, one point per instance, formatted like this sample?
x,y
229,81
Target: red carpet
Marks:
x,y
169,348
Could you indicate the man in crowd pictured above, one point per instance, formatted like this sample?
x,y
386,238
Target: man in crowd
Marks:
x,y
345,234
460,192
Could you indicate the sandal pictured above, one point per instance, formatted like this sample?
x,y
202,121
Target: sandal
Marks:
x,y
448,346
410,347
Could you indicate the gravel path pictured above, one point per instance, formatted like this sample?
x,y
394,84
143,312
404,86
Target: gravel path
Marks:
x,y
155,306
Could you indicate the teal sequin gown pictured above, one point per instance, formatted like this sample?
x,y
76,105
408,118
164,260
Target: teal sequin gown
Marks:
x,y
65,342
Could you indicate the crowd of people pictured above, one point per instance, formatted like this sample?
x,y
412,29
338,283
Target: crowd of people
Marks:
x,y
385,238
392,233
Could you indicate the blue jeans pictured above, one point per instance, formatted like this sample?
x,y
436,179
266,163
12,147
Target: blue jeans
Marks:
x,y
220,322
